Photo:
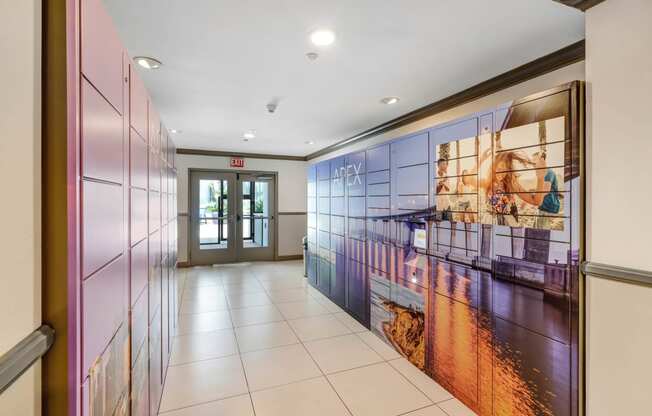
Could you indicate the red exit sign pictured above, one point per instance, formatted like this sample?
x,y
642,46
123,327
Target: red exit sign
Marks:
x,y
237,162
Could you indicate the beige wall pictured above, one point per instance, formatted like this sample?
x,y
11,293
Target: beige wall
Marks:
x,y
561,76
291,196
20,176
619,316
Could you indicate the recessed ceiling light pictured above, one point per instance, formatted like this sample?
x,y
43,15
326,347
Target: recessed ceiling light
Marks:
x,y
148,62
249,135
312,55
390,100
310,142
322,37
175,131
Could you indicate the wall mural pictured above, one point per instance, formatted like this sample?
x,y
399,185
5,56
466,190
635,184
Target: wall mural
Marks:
x,y
460,247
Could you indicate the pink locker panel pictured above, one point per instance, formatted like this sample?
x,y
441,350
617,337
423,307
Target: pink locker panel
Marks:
x,y
154,172
154,211
138,213
154,286
103,314
139,383
138,104
154,129
101,135
155,374
139,269
102,224
138,160
139,324
164,144
101,52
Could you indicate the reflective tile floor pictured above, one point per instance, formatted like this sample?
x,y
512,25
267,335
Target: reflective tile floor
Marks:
x,y
255,339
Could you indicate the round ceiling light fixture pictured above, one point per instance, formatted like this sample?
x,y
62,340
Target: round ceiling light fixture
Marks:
x,y
249,135
175,131
148,62
322,37
390,100
309,142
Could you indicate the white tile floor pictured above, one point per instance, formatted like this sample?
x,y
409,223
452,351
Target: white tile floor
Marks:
x,y
255,340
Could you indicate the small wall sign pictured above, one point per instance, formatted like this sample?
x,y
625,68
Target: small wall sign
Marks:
x,y
237,162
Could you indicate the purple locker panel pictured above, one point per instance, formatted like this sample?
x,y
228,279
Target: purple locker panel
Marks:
x,y
355,163
102,224
139,269
324,188
312,204
154,172
378,158
323,170
338,279
138,215
379,189
138,160
378,202
356,291
139,383
324,275
411,202
459,130
357,206
324,239
378,255
155,365
154,211
139,318
378,177
324,205
338,186
312,236
378,212
356,228
543,362
410,151
138,105
412,180
101,52
101,135
355,185
337,243
324,223
338,206
337,225
312,220
533,309
102,314
337,167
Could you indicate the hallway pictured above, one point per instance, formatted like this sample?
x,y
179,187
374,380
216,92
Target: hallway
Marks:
x,y
255,339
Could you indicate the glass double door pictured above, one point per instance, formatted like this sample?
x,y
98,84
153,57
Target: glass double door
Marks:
x,y
231,217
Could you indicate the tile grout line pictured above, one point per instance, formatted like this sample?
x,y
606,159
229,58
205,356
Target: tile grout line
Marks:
x,y
244,372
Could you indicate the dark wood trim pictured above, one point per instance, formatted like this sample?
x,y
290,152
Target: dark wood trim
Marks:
x,y
290,257
183,264
200,152
292,213
541,66
582,5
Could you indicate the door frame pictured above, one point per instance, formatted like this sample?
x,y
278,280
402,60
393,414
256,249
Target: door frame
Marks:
x,y
243,172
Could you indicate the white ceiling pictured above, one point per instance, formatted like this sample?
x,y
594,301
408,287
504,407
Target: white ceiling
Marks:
x,y
224,60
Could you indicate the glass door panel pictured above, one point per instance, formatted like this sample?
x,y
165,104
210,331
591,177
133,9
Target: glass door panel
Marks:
x,y
212,201
256,219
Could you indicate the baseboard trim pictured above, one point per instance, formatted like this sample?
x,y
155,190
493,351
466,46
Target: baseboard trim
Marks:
x,y
290,257
183,264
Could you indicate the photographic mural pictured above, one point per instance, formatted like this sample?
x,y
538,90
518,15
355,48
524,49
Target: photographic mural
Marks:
x,y
460,247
